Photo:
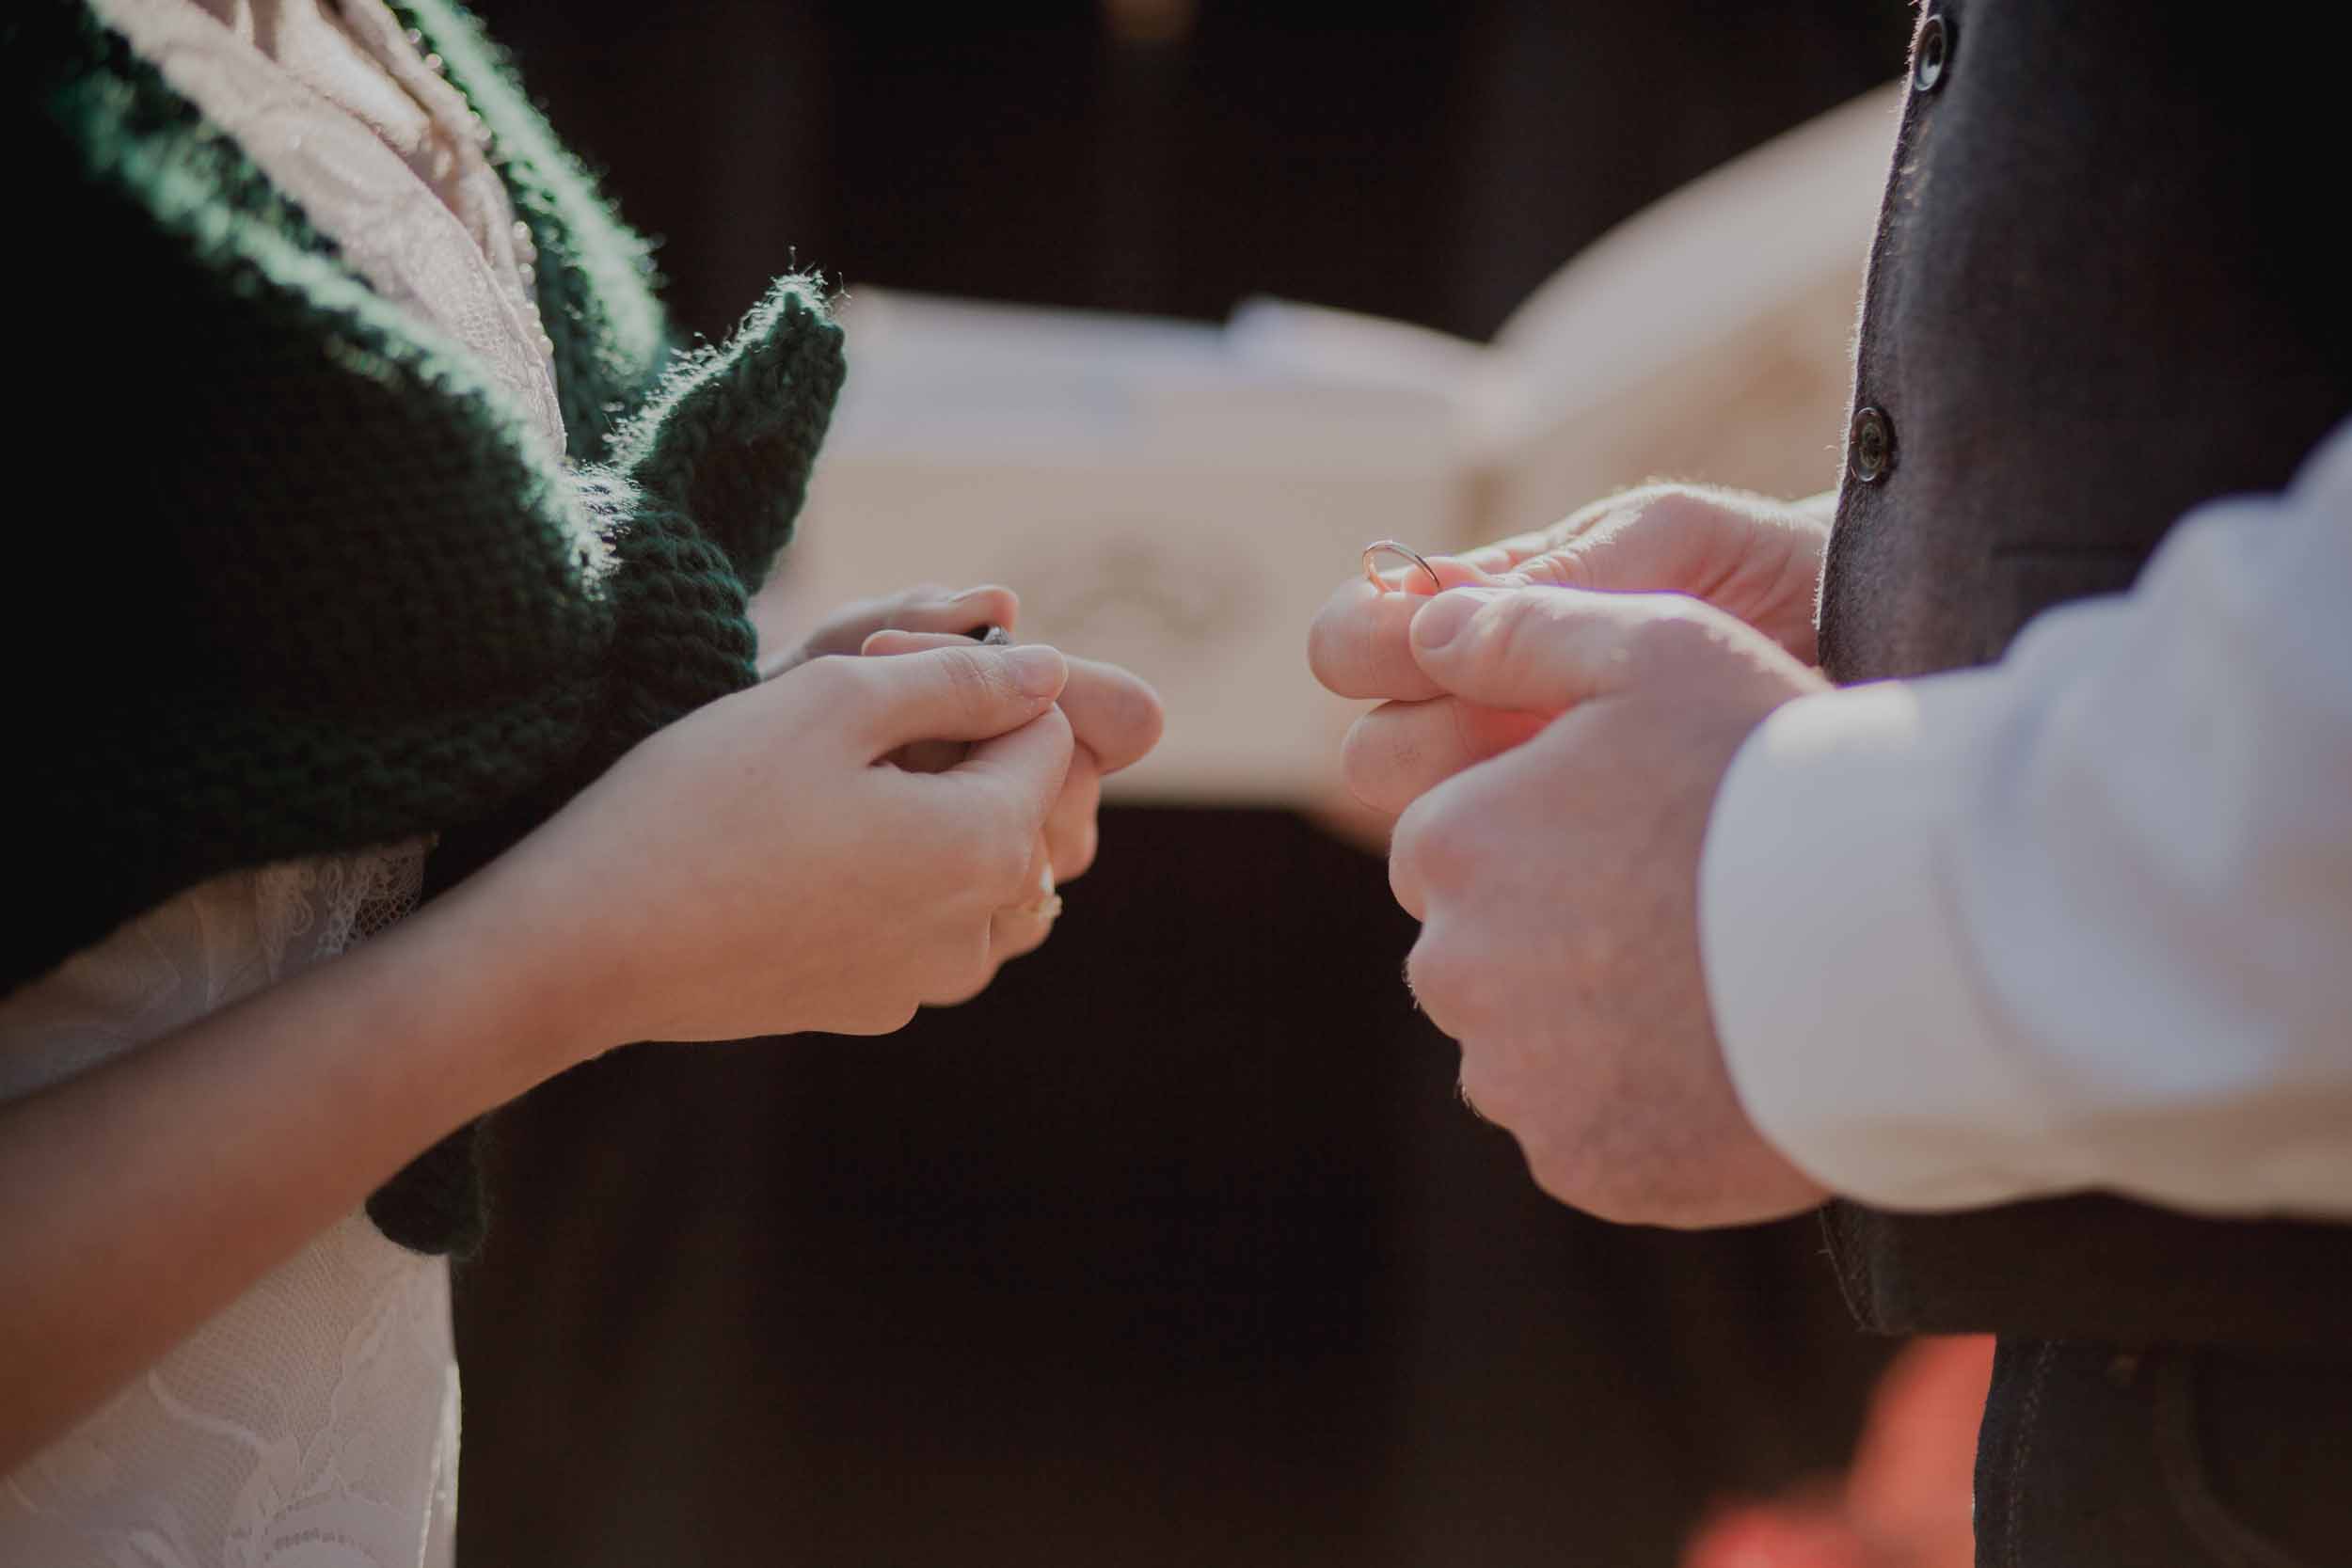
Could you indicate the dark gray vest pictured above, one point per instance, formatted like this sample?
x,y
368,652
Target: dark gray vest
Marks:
x,y
2102,291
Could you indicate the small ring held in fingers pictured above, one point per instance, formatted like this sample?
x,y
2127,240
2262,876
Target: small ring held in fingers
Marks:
x,y
1390,547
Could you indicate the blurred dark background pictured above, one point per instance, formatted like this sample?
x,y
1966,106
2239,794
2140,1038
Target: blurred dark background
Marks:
x,y
1177,1245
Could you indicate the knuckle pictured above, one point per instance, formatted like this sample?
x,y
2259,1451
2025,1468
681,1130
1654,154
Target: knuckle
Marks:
x,y
1435,864
1586,519
968,971
1482,1088
1428,849
1669,505
860,614
1449,858
834,678
1445,981
1407,851
1563,1176
1569,566
1610,514
942,965
1018,938
1509,632
1466,731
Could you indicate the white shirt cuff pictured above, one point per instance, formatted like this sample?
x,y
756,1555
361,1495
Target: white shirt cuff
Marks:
x,y
1856,1034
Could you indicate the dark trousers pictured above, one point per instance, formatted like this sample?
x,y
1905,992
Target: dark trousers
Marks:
x,y
2097,1456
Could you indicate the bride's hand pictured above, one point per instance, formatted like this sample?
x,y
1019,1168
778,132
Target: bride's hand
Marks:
x,y
1116,720
755,868
759,867
926,607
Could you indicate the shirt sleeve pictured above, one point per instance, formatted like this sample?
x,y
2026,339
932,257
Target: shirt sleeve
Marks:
x,y
2081,919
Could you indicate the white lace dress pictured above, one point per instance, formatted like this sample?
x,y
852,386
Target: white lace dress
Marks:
x,y
314,1423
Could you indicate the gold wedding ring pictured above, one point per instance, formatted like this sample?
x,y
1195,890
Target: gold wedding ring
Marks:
x,y
1390,547
1047,906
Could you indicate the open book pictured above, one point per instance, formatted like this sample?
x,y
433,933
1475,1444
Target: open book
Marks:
x,y
1181,498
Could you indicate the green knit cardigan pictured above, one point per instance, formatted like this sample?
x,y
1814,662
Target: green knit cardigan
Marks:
x,y
285,575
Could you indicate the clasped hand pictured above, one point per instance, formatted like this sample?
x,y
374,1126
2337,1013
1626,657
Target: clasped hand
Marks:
x,y
1553,730
770,864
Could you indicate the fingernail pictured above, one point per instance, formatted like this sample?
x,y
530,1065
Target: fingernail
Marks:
x,y
970,594
1441,620
1037,668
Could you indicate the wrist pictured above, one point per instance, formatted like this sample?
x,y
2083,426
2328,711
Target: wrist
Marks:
x,y
518,988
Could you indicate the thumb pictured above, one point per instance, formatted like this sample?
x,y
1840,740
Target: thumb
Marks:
x,y
1028,765
890,641
968,692
1540,650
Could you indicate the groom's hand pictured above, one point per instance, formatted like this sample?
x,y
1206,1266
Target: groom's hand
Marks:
x,y
1557,887
1757,558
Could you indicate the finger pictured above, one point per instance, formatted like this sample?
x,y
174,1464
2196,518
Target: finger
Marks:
x,y
1454,571
1504,554
1399,751
1506,557
883,644
1117,716
1544,650
928,608
966,692
1026,766
1409,877
1024,927
1070,829
1606,524
1016,934
1432,847
1360,644
1618,558
1012,931
936,609
1451,571
924,609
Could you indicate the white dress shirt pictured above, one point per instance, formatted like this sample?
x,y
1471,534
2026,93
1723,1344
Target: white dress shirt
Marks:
x,y
2080,919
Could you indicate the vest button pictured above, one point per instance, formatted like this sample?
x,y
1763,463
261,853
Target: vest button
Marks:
x,y
1869,445
1932,54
